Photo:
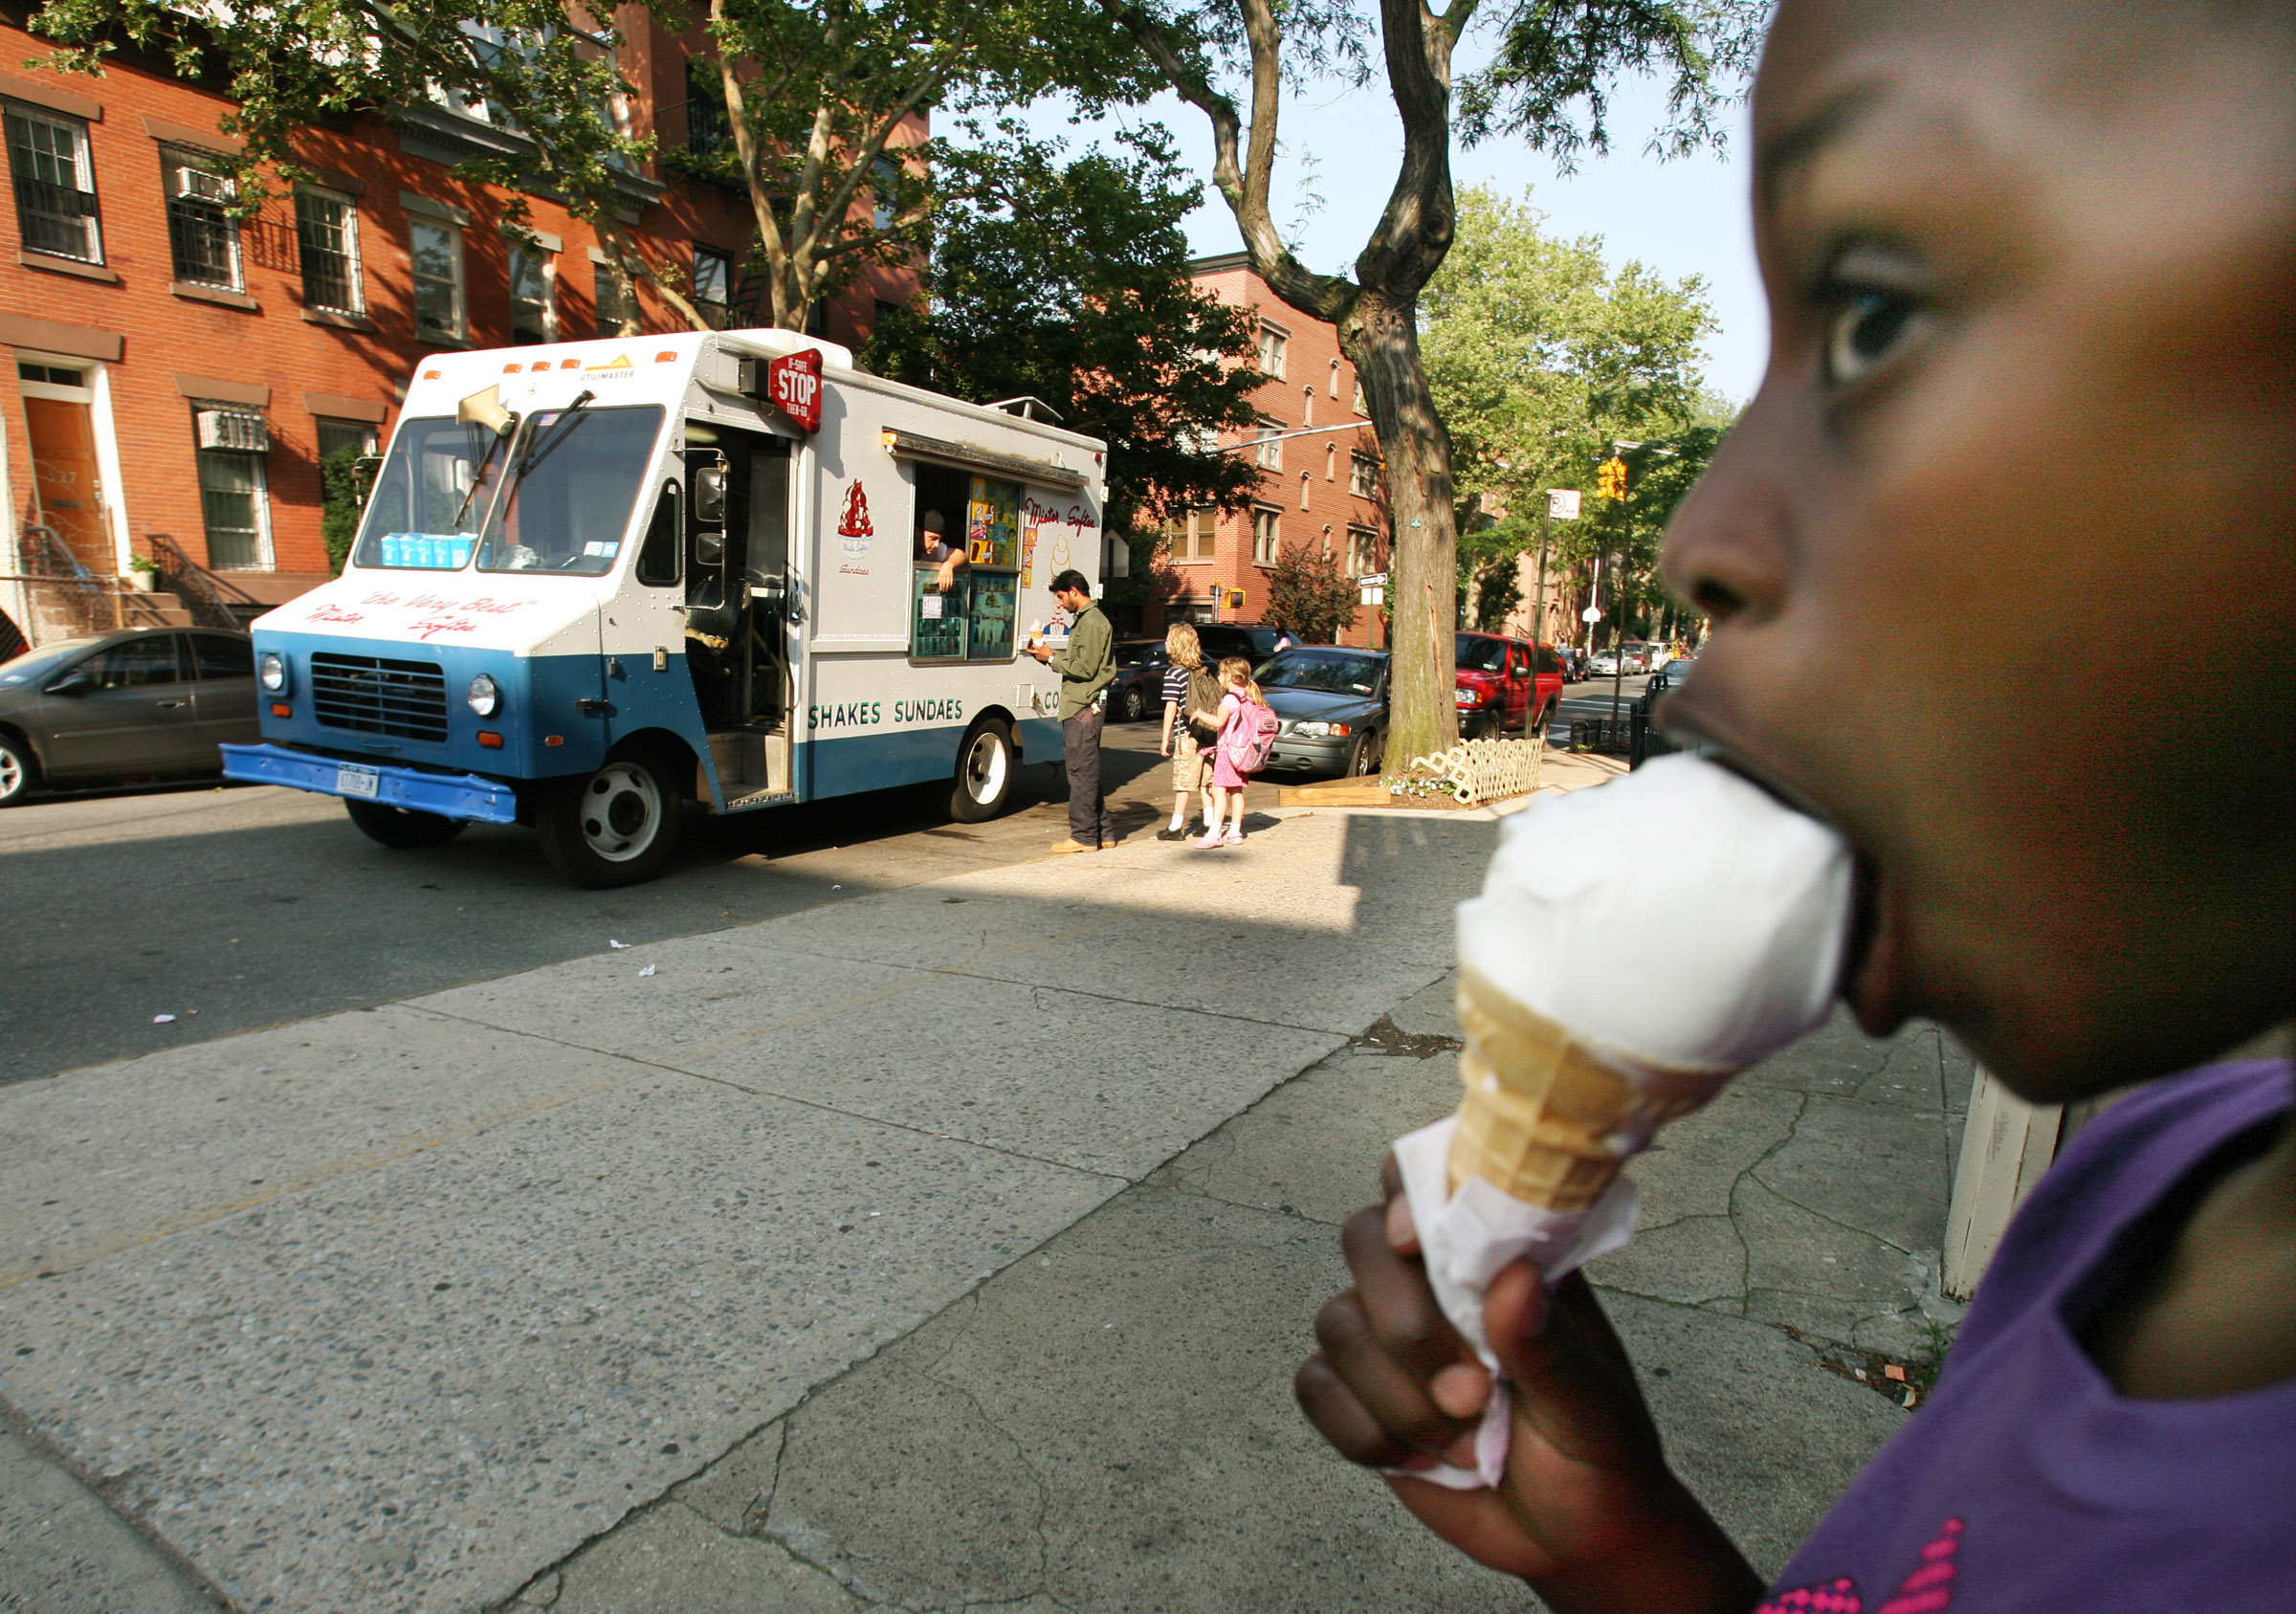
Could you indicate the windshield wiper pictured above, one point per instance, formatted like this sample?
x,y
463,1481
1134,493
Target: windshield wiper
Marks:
x,y
477,481
560,429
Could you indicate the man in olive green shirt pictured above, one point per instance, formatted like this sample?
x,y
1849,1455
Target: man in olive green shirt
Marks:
x,y
1085,668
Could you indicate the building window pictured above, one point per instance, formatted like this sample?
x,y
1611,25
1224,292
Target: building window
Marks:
x,y
1331,461
1273,342
437,250
55,185
713,286
1266,522
335,436
1363,476
1303,490
1271,452
50,375
1360,407
615,304
326,227
1192,537
1362,551
706,130
533,317
200,229
1334,378
885,194
1307,406
235,502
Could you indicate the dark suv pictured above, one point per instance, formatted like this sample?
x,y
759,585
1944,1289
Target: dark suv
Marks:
x,y
1255,643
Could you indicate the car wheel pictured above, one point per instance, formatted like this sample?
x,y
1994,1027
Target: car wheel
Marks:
x,y
984,770
18,772
400,827
1135,704
616,828
1369,752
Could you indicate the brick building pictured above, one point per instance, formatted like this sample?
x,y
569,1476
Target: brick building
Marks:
x,y
179,373
1320,488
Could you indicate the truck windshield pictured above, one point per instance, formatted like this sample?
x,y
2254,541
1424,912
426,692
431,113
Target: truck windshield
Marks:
x,y
431,498
568,513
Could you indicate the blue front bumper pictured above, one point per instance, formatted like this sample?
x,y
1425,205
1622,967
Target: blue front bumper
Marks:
x,y
449,795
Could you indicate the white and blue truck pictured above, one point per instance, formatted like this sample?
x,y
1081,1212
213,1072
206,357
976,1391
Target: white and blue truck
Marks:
x,y
596,580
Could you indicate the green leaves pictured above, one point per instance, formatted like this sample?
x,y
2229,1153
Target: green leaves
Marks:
x,y
1068,282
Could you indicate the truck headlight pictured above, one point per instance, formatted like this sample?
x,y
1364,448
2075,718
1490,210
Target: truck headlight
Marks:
x,y
486,695
1472,697
271,672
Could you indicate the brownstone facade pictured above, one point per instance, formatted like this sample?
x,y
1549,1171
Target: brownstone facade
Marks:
x,y
1320,488
172,372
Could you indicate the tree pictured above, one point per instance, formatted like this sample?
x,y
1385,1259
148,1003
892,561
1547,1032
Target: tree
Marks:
x,y
1542,358
1547,84
1308,593
822,102
1070,284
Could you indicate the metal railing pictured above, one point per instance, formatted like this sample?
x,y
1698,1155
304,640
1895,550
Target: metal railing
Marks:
x,y
211,601
46,564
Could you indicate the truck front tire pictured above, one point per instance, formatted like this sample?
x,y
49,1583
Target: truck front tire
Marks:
x,y
401,829
985,764
616,828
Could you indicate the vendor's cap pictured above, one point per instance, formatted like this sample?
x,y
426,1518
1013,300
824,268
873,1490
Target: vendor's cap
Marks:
x,y
932,522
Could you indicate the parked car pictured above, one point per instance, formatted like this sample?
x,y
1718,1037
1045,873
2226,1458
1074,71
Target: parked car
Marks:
x,y
1136,691
1671,673
1332,701
1504,684
1253,642
142,702
1603,664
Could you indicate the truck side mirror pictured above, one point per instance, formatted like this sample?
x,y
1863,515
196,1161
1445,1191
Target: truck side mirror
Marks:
x,y
73,682
709,546
709,498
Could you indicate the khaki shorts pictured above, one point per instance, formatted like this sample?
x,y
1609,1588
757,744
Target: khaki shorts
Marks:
x,y
1190,766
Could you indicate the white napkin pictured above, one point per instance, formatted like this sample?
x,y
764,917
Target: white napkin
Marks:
x,y
1468,1237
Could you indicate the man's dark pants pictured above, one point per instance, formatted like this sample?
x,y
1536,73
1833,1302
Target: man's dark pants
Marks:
x,y
1088,822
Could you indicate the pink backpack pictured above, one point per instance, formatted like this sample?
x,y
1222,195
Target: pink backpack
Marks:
x,y
1250,735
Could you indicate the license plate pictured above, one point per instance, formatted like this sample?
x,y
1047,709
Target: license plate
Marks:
x,y
358,781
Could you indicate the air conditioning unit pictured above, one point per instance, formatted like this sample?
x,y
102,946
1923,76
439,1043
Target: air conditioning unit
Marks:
x,y
240,430
197,185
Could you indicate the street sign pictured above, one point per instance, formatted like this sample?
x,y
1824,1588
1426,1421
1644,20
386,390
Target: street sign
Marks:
x,y
1562,504
795,385
1373,580
1591,613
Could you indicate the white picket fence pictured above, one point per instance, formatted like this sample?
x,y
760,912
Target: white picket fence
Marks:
x,y
1476,771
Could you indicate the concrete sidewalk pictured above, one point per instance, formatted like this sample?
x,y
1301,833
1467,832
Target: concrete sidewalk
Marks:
x,y
946,1248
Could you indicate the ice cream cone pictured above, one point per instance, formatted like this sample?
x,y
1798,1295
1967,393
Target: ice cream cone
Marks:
x,y
1546,1118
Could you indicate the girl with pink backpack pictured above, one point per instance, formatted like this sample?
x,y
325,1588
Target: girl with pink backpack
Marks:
x,y
1248,729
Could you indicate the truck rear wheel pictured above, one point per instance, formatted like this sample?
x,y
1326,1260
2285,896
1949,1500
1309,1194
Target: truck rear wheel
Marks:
x,y
616,828
984,770
402,827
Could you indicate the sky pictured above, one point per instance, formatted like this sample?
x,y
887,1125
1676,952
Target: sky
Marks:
x,y
1681,217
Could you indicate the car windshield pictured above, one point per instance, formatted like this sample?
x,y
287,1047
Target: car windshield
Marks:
x,y
1478,654
34,665
578,475
432,497
1332,674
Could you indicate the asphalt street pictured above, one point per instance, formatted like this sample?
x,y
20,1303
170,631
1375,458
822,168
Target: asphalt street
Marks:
x,y
236,908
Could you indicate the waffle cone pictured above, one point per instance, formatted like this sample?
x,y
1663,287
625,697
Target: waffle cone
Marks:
x,y
1545,1120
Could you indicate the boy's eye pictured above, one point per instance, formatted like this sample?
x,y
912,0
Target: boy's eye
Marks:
x,y
1876,302
1864,331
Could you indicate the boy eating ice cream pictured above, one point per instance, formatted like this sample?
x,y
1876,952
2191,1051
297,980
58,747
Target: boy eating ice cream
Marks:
x,y
2032,279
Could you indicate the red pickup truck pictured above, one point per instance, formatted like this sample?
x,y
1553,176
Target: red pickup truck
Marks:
x,y
1506,684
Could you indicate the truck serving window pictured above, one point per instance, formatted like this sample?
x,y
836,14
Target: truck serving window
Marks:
x,y
574,477
432,497
972,617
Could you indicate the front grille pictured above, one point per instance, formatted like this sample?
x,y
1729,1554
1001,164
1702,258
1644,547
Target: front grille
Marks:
x,y
375,695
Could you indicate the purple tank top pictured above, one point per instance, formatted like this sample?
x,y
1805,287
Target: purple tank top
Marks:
x,y
2027,1485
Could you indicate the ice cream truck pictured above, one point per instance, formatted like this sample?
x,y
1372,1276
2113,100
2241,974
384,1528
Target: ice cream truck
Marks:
x,y
596,579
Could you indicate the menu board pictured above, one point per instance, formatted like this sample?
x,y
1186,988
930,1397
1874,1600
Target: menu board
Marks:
x,y
995,604
993,524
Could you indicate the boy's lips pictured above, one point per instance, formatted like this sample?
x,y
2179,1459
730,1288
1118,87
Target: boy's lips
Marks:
x,y
1872,980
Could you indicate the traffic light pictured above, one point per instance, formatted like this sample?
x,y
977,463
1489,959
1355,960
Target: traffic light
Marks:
x,y
1235,599
1610,477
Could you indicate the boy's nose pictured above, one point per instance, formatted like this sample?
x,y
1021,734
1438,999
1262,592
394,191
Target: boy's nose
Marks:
x,y
1729,548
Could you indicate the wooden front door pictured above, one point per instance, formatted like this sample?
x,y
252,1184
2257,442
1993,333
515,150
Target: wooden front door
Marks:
x,y
63,460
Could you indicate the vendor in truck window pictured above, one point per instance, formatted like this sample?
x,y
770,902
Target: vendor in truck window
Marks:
x,y
935,549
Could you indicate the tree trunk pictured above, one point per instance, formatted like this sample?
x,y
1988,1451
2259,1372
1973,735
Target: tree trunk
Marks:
x,y
1381,335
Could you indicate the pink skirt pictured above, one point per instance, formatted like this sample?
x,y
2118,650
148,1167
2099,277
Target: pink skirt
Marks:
x,y
1224,776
